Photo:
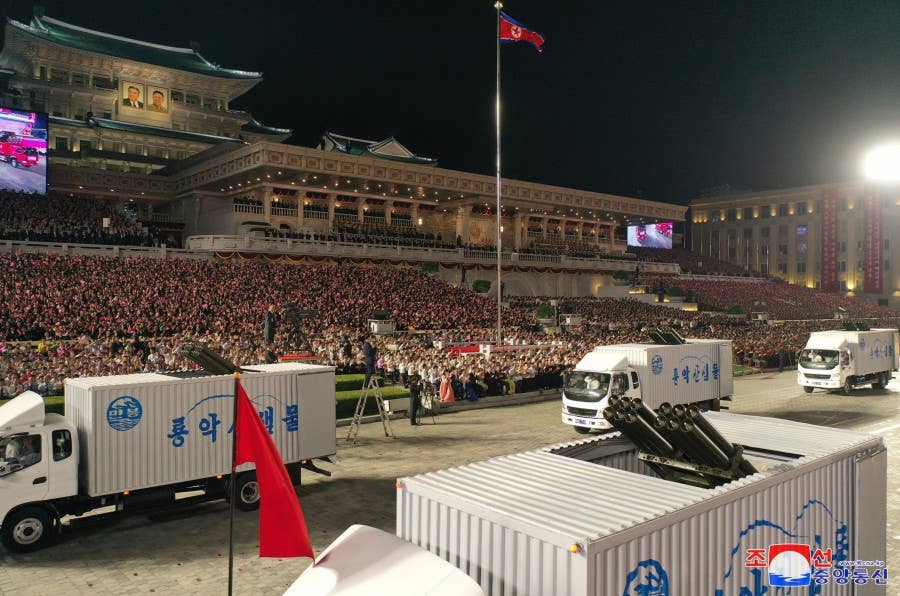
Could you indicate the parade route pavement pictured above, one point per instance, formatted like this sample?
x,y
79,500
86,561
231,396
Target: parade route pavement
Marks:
x,y
185,551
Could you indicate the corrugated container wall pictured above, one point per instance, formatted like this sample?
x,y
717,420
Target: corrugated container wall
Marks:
x,y
140,431
511,522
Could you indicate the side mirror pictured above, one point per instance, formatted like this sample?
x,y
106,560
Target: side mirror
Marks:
x,y
565,377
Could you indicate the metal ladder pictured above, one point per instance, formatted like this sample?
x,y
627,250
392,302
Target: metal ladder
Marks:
x,y
373,389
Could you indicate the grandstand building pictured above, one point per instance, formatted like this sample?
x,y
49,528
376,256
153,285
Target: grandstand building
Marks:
x,y
153,127
837,238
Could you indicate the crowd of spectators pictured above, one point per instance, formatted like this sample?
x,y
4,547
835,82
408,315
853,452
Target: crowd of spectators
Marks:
x,y
374,233
780,300
56,217
70,316
692,263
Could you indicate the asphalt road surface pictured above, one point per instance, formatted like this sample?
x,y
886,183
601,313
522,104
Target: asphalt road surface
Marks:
x,y
185,551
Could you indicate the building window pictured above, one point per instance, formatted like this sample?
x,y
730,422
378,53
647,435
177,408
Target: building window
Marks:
x,y
59,76
84,146
782,268
62,144
842,266
887,244
79,79
192,100
801,208
764,250
782,250
842,284
107,115
764,268
101,82
765,211
731,215
716,215
748,233
764,232
177,96
783,210
210,103
801,267
843,246
887,265
748,212
43,73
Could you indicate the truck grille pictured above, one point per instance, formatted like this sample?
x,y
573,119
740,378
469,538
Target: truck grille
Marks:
x,y
581,411
814,376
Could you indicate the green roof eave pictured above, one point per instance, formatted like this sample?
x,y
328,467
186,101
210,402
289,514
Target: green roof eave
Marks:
x,y
158,131
73,36
258,127
414,159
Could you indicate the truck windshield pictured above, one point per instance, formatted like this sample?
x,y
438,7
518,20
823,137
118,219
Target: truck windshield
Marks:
x,y
587,386
19,451
821,359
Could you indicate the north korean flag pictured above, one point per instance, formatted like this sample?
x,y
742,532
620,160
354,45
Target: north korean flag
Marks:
x,y
512,30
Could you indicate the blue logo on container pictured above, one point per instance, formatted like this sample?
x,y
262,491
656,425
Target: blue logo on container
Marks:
x,y
862,343
647,579
124,413
656,364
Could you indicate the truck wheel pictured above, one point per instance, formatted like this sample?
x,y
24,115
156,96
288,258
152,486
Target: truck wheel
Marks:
x,y
247,492
28,529
807,389
582,430
14,162
848,387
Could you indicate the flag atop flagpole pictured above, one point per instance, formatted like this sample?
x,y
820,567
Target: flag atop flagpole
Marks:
x,y
512,31
282,529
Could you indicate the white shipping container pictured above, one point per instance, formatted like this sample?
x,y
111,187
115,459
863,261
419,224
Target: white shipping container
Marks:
x,y
589,518
871,351
145,430
685,373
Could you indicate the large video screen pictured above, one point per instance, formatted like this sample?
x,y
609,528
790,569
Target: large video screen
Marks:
x,y
23,151
658,235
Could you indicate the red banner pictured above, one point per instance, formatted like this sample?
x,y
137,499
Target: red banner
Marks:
x,y
830,241
872,244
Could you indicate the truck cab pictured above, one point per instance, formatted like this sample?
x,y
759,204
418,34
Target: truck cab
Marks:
x,y
16,153
38,463
587,389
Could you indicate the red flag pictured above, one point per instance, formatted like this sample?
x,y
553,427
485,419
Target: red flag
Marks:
x,y
512,30
282,529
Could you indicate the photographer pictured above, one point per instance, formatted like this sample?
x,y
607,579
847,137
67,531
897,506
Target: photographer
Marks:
x,y
415,390
369,356
270,324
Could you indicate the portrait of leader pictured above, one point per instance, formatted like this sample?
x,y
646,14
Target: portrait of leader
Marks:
x,y
159,100
133,95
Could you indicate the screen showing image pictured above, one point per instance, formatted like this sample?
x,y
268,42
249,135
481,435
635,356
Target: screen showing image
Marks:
x,y
657,235
23,151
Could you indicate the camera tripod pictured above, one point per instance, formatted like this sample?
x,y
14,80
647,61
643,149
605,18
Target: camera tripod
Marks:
x,y
371,389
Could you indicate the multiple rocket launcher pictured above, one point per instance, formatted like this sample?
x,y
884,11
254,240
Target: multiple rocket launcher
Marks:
x,y
678,443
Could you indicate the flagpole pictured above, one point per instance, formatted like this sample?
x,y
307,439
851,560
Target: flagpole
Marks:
x,y
498,5
232,486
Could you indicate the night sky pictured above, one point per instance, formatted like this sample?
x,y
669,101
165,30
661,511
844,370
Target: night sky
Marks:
x,y
654,99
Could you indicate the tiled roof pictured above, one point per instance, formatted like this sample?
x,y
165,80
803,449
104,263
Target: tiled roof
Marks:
x,y
81,38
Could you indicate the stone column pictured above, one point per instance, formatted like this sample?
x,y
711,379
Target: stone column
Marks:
x,y
414,214
545,223
267,203
463,215
331,201
518,222
387,212
361,211
300,200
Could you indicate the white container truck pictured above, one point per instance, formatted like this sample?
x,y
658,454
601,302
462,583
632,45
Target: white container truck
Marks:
x,y
697,372
847,359
139,441
589,518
